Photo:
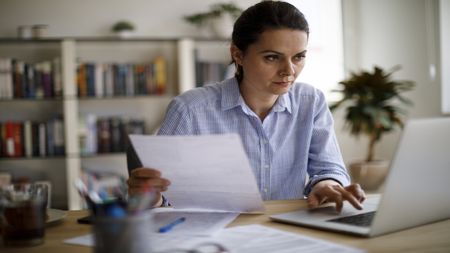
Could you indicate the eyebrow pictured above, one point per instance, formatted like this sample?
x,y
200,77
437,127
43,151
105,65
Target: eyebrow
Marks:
x,y
279,53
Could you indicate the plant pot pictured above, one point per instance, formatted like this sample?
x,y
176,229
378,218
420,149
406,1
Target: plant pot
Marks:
x,y
370,175
124,34
222,26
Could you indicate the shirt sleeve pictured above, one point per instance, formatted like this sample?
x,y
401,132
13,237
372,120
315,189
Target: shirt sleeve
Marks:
x,y
177,120
325,159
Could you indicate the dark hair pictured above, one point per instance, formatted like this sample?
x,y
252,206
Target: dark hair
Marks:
x,y
261,17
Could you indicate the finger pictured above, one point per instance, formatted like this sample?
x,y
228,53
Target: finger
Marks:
x,y
152,182
333,195
345,195
145,173
339,203
357,191
313,200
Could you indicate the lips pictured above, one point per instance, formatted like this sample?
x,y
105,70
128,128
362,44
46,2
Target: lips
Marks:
x,y
284,84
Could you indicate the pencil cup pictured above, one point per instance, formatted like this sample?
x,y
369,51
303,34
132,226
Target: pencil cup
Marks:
x,y
130,234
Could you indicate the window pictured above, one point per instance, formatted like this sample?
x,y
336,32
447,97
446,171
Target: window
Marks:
x,y
324,67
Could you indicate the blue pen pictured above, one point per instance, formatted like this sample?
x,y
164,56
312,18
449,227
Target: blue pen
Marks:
x,y
168,227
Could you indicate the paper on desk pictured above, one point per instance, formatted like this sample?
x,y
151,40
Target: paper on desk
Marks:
x,y
243,239
196,223
206,171
261,239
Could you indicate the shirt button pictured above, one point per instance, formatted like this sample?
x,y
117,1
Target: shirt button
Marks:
x,y
266,167
264,141
265,190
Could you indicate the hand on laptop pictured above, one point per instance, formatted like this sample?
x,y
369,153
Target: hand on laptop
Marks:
x,y
331,191
141,179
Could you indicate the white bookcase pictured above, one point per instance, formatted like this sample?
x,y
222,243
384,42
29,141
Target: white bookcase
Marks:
x,y
180,56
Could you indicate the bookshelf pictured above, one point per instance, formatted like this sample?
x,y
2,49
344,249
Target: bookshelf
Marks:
x,y
180,55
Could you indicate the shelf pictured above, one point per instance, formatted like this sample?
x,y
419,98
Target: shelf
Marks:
x,y
32,158
58,99
102,155
110,39
121,97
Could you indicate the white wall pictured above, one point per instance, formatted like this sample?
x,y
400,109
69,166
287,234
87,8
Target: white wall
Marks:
x,y
389,33
383,32
95,17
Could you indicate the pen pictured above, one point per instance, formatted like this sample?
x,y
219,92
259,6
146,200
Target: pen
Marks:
x,y
168,227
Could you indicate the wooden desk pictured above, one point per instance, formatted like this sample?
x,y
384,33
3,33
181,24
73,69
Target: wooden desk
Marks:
x,y
428,238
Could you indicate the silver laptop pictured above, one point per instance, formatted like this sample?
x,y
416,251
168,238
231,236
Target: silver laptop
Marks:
x,y
416,190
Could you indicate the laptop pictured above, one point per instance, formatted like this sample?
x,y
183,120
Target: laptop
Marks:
x,y
416,191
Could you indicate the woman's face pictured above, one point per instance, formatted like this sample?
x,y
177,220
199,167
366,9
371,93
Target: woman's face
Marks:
x,y
272,63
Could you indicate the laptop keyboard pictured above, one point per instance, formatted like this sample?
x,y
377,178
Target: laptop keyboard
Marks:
x,y
362,220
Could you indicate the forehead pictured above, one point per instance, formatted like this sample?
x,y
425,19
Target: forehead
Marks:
x,y
282,40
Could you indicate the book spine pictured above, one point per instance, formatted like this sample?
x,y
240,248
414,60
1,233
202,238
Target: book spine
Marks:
x,y
104,136
28,138
38,80
90,79
18,139
31,81
99,82
91,134
57,79
46,79
160,75
9,85
58,136
9,139
36,138
50,142
129,80
42,140
81,80
115,134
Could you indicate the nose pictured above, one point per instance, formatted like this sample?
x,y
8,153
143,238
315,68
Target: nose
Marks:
x,y
288,68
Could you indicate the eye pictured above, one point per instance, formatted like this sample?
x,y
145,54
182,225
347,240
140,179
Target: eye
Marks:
x,y
272,57
299,57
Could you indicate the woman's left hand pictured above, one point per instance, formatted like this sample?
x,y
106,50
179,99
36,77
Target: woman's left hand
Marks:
x,y
331,191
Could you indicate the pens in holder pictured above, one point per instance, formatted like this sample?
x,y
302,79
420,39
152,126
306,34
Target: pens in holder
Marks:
x,y
168,227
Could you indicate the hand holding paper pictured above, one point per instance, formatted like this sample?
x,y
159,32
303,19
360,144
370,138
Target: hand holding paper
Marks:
x,y
206,172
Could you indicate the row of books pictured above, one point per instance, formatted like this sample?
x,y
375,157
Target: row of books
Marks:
x,y
32,139
122,79
19,79
209,72
107,134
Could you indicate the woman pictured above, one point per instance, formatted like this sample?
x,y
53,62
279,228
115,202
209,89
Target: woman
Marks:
x,y
286,127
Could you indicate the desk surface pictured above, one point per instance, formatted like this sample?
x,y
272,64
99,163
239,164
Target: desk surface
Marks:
x,y
428,238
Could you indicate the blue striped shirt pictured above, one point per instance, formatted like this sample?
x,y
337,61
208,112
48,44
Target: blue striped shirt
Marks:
x,y
295,140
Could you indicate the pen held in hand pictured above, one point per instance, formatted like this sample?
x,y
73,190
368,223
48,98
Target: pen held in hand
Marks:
x,y
168,227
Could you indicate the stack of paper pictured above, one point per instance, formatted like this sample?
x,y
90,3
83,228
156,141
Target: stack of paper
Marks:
x,y
243,239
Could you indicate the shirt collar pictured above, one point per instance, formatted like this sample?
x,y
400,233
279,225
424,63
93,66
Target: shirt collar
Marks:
x,y
231,97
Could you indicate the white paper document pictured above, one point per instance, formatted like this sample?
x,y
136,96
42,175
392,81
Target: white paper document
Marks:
x,y
206,171
196,223
242,239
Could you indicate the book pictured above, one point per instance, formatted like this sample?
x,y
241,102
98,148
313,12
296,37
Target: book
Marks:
x,y
104,136
9,139
42,139
99,83
160,74
28,138
57,77
58,136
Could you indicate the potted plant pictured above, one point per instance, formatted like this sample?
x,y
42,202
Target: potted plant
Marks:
x,y
123,28
370,110
220,19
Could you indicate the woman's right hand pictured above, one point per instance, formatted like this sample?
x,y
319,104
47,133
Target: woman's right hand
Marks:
x,y
142,179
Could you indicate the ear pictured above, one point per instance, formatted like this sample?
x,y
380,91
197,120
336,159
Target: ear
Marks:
x,y
236,54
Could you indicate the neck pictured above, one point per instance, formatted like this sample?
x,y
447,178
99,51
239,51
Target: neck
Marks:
x,y
259,103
